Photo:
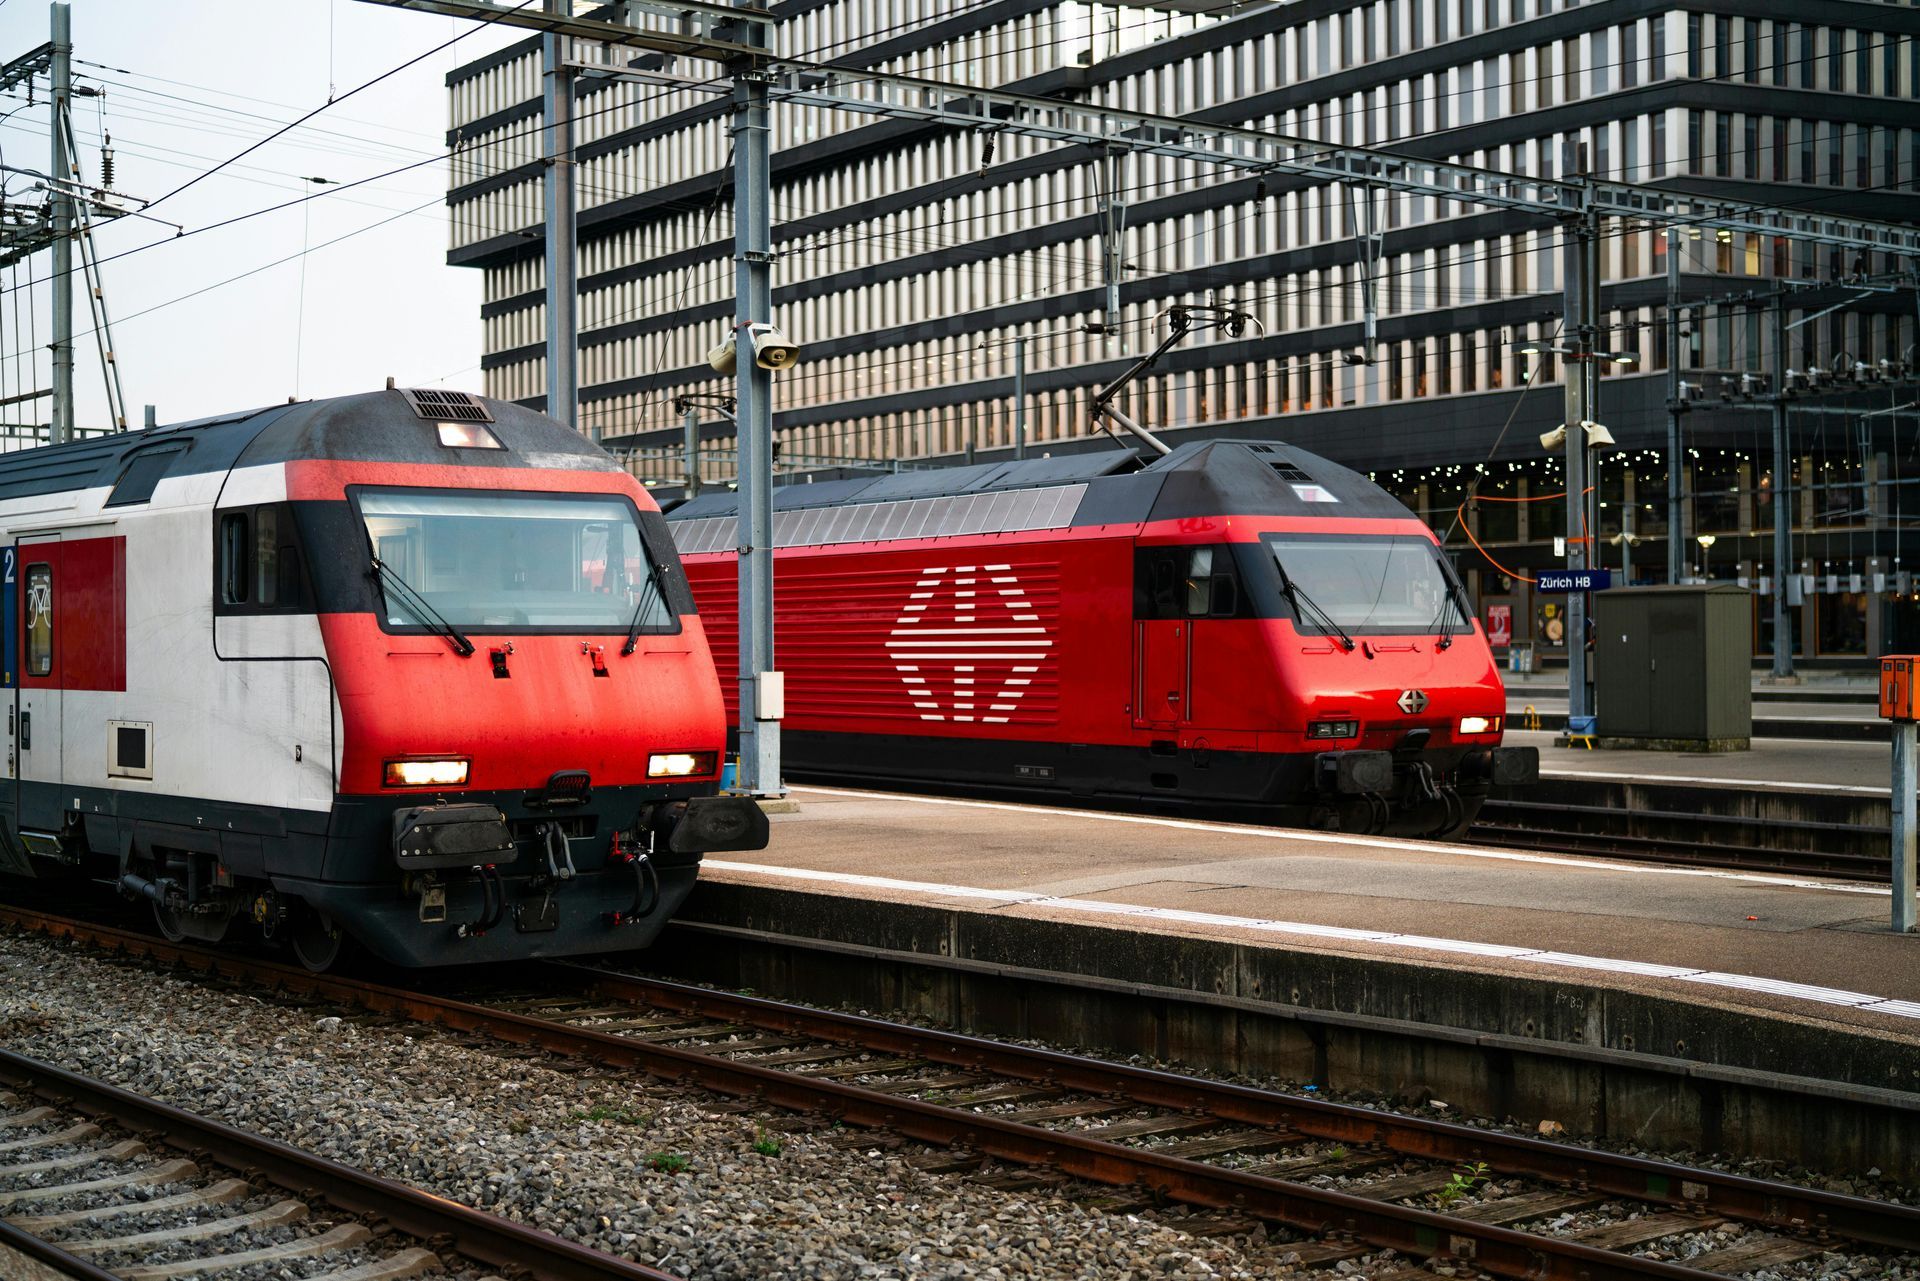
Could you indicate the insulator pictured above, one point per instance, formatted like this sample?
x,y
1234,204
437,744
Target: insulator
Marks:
x,y
106,161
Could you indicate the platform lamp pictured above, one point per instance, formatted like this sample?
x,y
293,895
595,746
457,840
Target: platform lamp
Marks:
x,y
1706,542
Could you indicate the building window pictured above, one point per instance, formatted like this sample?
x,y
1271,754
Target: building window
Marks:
x,y
1629,56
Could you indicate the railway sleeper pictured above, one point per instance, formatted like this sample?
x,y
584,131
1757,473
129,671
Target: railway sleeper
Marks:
x,y
1756,1252
164,1172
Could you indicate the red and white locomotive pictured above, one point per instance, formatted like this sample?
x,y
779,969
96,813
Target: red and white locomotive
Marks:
x,y
1236,625
410,668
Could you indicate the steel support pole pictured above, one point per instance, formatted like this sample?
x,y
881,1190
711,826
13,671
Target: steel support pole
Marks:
x,y
1020,396
563,377
61,429
1676,458
1905,782
762,691
692,422
1782,504
1579,292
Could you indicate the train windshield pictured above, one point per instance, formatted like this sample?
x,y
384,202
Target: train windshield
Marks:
x,y
1374,584
511,562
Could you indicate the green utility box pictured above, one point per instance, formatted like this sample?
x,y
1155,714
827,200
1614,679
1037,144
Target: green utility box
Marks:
x,y
1673,667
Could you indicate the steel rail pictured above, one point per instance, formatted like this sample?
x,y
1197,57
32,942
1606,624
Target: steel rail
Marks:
x,y
1502,1251
1757,1201
488,1238
68,1267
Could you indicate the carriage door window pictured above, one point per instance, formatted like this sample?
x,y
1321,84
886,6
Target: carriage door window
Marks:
x,y
235,582
266,557
39,620
1212,589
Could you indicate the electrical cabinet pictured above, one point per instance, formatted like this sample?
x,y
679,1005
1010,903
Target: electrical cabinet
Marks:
x,y
1674,665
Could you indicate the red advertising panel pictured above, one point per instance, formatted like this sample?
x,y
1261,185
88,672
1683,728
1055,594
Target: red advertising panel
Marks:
x,y
1499,625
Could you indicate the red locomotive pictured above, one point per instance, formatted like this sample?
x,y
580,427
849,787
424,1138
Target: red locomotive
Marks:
x,y
1236,625
410,668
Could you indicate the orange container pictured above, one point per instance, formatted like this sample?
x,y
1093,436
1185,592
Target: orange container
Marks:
x,y
1896,687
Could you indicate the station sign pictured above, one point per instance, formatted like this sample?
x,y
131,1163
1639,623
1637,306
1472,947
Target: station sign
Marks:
x,y
1573,580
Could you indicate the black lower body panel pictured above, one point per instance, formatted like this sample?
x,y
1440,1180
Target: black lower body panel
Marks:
x,y
571,918
610,885
1262,787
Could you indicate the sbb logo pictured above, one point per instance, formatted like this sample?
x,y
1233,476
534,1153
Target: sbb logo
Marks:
x,y
967,643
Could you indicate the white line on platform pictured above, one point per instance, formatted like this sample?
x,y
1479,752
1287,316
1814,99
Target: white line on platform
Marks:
x,y
1303,836
1417,942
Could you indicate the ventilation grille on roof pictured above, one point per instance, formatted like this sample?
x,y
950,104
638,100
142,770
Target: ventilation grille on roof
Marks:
x,y
435,405
1281,465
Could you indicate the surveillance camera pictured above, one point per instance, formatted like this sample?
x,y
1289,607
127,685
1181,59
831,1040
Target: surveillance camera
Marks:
x,y
772,349
725,356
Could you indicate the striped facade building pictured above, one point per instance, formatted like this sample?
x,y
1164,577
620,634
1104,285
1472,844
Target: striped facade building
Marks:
x,y
913,265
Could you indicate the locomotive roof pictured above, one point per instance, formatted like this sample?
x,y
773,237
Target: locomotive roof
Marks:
x,y
378,426
1200,478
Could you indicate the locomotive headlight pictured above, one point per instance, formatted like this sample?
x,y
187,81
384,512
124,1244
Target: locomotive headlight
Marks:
x,y
679,764
426,773
1479,724
1333,729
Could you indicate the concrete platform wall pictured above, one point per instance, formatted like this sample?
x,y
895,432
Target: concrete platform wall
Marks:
x,y
1600,1061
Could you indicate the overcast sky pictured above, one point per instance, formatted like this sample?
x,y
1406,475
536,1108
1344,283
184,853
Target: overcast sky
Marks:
x,y
189,83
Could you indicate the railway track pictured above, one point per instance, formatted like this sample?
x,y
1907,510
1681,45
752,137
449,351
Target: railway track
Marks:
x,y
167,1194
1697,840
1352,1179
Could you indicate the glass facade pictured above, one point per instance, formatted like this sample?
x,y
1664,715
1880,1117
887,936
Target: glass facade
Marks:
x,y
913,271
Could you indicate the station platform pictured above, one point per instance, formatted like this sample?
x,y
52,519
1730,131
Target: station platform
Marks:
x,y
1795,715
1628,999
1783,945
1781,764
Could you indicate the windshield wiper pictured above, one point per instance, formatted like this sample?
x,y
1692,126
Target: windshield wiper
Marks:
x,y
642,608
428,615
1303,603
1449,607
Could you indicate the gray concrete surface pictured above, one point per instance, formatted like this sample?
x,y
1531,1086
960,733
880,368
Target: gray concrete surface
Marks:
x,y
1792,764
1768,927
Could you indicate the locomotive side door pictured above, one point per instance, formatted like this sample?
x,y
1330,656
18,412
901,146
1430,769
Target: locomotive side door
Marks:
x,y
36,720
1162,639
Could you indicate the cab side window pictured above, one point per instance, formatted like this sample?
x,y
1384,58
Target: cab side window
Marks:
x,y
1186,582
257,562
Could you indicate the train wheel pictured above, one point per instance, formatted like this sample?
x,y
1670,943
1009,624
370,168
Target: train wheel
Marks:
x,y
317,942
168,922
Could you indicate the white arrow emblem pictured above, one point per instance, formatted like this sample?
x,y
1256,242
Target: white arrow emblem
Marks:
x,y
969,616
